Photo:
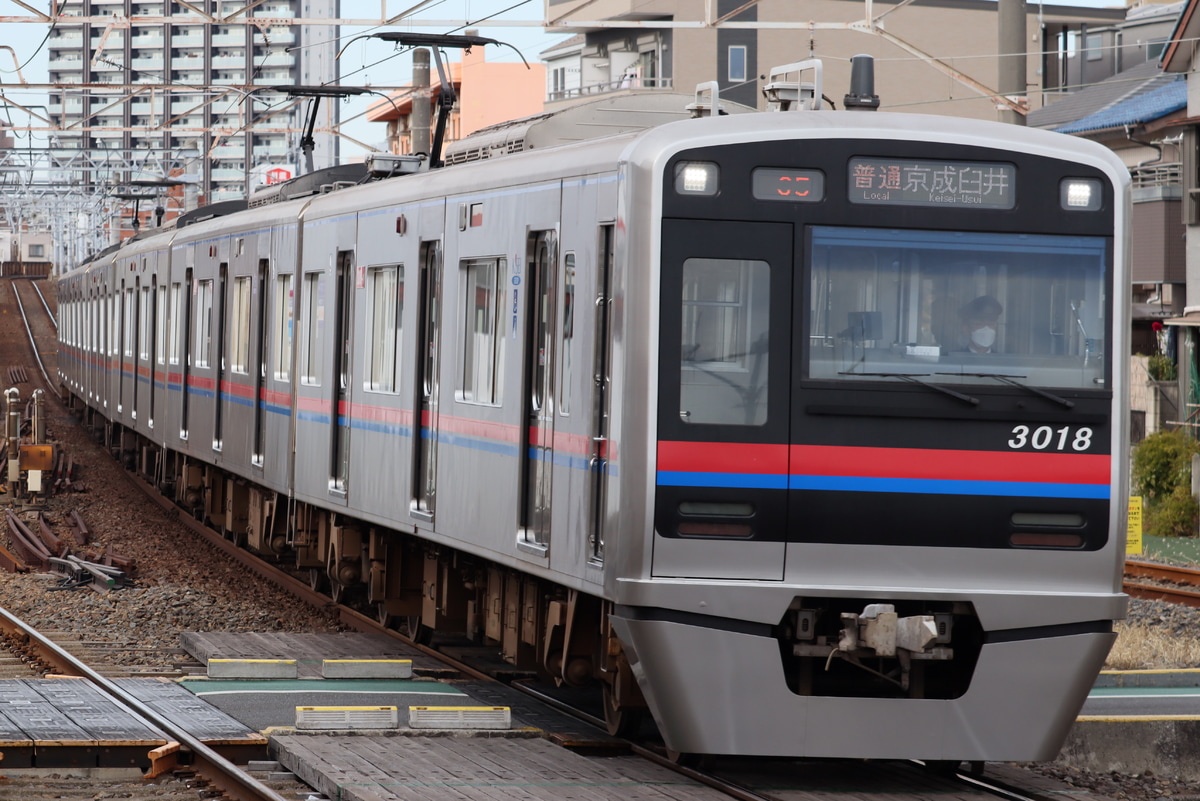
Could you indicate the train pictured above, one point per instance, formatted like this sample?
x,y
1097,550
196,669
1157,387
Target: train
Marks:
x,y
802,431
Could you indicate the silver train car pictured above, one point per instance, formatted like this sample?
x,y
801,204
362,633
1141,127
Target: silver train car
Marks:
x,y
802,431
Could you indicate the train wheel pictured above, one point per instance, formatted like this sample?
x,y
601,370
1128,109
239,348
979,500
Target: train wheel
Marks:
x,y
317,579
621,721
421,635
337,591
385,618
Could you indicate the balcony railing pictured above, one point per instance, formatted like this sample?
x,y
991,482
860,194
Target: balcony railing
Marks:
x,y
1153,175
621,85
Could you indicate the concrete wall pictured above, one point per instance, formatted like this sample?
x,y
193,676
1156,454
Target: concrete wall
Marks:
x,y
493,93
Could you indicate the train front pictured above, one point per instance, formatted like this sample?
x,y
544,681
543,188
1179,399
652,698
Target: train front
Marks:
x,y
882,507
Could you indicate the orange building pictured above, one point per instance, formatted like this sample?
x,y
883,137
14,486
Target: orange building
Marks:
x,y
488,93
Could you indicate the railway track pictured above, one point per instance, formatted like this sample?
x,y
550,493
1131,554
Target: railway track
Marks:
x,y
1170,583
219,773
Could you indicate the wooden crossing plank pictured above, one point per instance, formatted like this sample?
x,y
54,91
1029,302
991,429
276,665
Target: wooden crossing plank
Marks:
x,y
397,768
200,718
95,713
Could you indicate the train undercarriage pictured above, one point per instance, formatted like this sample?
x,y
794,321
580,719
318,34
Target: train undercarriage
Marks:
x,y
406,582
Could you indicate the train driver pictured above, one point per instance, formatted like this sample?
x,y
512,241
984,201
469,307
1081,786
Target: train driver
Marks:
x,y
979,324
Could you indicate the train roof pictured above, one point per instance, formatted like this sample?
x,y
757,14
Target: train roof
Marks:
x,y
606,116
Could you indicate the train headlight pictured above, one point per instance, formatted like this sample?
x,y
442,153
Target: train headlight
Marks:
x,y
696,178
1080,194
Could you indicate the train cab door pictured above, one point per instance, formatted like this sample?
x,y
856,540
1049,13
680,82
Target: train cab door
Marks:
x,y
602,397
537,447
723,417
425,424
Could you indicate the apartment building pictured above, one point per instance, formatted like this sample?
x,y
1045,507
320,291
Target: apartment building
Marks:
x,y
215,125
932,56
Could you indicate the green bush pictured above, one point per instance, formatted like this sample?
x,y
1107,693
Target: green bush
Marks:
x,y
1161,368
1176,515
1162,474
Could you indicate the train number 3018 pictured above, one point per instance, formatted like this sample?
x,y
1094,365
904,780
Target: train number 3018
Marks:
x,y
1047,438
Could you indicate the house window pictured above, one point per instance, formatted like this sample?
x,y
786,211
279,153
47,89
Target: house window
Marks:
x,y
737,63
37,251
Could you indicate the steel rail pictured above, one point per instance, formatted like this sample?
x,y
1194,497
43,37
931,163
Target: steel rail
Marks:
x,y
32,341
1154,592
221,772
1173,587
1155,571
45,305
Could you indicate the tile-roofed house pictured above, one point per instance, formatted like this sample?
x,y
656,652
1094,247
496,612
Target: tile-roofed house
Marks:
x,y
1097,102
1151,104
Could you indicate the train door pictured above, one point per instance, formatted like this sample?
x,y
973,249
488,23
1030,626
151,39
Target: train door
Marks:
x,y
259,443
339,446
723,416
425,424
125,301
219,326
154,344
598,465
537,447
135,345
112,363
185,335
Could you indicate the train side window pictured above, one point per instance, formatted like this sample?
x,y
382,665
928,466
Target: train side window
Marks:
x,y
387,316
160,326
175,320
724,358
114,329
239,334
566,375
483,343
281,324
311,323
144,325
204,300
127,317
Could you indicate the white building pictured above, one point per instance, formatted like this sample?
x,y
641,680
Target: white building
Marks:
x,y
219,131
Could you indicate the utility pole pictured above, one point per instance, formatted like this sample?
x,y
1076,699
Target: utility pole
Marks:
x,y
421,116
1011,83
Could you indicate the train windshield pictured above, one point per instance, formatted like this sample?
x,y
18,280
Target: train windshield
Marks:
x,y
957,307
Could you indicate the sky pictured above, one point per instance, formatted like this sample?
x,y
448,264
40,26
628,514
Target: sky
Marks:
x,y
363,63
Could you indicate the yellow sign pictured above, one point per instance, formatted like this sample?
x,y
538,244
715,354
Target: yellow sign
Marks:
x,y
1133,535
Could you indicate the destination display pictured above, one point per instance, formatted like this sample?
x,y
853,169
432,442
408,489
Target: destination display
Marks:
x,y
896,182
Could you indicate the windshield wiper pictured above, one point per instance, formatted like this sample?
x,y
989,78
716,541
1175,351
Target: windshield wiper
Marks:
x,y
913,378
1010,379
